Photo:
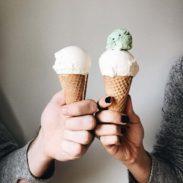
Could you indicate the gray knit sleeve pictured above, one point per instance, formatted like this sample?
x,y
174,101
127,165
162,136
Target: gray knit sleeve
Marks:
x,y
13,161
14,167
167,156
168,150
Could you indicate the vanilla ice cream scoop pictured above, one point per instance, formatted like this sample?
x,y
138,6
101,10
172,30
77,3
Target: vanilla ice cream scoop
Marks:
x,y
72,60
118,63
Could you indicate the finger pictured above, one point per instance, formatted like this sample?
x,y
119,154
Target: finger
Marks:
x,y
79,123
133,117
72,148
108,130
110,140
80,108
107,116
80,137
58,98
104,102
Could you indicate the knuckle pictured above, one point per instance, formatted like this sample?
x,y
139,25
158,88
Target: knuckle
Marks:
x,y
91,122
78,150
58,157
102,139
74,109
88,122
109,140
69,123
77,110
98,130
100,116
117,118
97,115
93,106
87,137
114,139
105,140
114,128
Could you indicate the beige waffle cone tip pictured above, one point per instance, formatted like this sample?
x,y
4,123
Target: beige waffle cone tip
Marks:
x,y
74,86
117,87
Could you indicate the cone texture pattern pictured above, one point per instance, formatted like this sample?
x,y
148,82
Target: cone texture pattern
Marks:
x,y
117,87
74,86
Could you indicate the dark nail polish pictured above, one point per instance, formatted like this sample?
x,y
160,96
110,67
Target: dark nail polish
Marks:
x,y
108,100
123,129
124,119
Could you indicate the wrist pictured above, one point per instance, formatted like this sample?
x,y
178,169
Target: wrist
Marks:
x,y
140,167
38,161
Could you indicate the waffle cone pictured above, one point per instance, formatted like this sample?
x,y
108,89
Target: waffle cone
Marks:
x,y
118,87
74,87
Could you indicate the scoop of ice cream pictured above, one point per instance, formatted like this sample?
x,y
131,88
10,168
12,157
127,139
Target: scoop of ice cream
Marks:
x,y
118,63
72,60
119,39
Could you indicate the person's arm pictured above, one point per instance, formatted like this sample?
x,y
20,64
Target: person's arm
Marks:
x,y
13,160
122,137
165,163
14,168
65,135
168,150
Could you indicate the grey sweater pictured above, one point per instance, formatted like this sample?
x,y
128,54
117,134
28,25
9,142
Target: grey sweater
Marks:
x,y
13,160
167,156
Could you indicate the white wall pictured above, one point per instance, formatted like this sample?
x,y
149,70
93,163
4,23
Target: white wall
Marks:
x,y
32,30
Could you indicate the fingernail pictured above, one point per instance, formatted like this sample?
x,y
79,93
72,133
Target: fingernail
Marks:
x,y
123,129
108,100
124,119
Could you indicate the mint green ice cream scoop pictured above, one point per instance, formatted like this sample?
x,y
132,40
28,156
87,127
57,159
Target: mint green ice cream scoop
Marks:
x,y
119,39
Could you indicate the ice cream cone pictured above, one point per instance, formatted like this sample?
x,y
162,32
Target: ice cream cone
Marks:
x,y
118,67
74,86
117,87
72,66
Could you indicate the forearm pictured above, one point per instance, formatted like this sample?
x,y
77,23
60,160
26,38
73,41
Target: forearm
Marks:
x,y
13,161
140,167
39,164
166,160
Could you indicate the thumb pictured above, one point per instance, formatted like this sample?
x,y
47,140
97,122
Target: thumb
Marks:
x,y
133,117
104,102
58,98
